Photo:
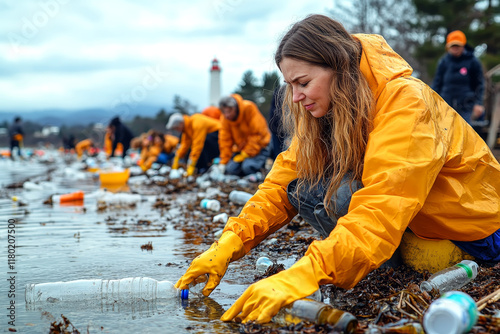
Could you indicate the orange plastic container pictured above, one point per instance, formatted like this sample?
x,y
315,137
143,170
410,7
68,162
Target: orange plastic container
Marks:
x,y
72,197
114,178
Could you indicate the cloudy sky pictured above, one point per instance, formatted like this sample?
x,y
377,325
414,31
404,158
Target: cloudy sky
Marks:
x,y
76,54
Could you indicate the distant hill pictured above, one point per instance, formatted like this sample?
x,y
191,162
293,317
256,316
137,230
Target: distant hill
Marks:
x,y
59,117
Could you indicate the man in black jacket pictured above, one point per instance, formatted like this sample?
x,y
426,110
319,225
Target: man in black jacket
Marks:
x,y
459,78
121,134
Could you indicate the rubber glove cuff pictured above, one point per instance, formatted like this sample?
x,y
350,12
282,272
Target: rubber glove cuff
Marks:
x,y
240,157
262,300
175,163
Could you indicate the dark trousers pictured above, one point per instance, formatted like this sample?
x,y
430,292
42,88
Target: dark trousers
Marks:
x,y
249,165
210,152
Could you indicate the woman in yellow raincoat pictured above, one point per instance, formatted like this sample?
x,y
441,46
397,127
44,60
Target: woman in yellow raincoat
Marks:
x,y
384,151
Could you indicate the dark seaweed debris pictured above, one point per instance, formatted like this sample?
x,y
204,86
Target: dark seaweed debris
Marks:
x,y
63,327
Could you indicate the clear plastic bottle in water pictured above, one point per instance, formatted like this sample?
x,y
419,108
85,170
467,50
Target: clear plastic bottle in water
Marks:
x,y
317,313
104,291
210,204
239,197
117,199
454,313
451,278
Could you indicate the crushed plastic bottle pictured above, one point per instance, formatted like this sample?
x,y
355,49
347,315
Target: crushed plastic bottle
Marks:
x,y
221,218
239,197
103,291
454,313
210,204
317,313
451,278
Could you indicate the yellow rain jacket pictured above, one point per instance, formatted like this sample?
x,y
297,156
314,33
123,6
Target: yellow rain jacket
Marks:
x,y
425,168
170,143
149,155
249,132
82,146
196,129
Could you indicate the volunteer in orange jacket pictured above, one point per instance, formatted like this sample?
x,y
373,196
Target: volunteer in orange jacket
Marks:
x,y
212,111
153,150
82,146
200,133
244,137
357,117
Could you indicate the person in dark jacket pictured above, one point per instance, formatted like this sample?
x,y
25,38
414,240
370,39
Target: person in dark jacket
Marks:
x,y
122,134
275,124
459,78
16,134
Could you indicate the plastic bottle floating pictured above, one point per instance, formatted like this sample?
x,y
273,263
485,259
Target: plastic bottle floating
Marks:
x,y
103,291
66,198
451,278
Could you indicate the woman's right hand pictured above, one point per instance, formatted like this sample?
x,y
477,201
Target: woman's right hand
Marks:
x,y
213,262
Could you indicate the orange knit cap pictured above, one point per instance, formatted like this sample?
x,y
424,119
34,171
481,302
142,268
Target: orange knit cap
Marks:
x,y
456,38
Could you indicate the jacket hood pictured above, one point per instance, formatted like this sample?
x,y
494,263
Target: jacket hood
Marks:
x,y
379,63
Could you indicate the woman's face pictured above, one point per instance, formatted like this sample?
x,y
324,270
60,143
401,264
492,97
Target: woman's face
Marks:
x,y
310,85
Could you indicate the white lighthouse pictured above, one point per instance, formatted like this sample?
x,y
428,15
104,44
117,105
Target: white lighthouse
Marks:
x,y
215,83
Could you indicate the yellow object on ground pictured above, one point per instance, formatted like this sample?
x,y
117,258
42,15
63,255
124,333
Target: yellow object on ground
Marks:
x,y
113,177
432,255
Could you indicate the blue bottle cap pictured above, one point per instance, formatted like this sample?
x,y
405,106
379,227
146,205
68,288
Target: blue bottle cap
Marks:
x,y
184,294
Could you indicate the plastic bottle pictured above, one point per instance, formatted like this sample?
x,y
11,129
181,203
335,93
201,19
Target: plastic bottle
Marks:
x,y
262,264
239,197
221,218
99,290
117,199
317,313
210,204
451,278
454,313
65,198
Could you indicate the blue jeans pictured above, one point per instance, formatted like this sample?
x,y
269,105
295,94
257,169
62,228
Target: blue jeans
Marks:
x,y
487,249
249,165
309,203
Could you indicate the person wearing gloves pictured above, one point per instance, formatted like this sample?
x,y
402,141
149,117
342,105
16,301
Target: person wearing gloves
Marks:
x,y
459,78
374,151
153,150
121,135
83,146
244,137
200,133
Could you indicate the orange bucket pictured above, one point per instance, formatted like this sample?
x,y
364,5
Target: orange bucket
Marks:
x,y
114,178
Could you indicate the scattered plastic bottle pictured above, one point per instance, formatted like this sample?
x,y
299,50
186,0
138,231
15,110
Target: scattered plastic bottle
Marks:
x,y
317,313
221,218
451,278
262,264
175,174
99,290
118,199
210,204
255,177
454,313
239,197
71,197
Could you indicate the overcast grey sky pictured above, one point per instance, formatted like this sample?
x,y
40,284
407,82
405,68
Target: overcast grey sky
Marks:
x,y
75,54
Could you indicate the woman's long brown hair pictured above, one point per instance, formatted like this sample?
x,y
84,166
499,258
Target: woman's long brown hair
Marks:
x,y
333,145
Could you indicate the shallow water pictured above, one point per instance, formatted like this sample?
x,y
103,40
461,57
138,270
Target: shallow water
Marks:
x,y
63,243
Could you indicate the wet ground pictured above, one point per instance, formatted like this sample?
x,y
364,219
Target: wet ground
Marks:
x,y
157,238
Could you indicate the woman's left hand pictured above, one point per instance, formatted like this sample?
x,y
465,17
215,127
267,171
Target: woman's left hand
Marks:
x,y
262,300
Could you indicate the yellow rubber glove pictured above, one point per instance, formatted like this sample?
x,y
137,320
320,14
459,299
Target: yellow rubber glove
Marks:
x,y
240,157
175,163
213,262
262,300
190,170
